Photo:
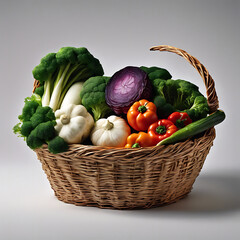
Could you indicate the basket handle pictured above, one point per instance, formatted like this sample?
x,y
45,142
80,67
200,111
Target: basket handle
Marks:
x,y
207,79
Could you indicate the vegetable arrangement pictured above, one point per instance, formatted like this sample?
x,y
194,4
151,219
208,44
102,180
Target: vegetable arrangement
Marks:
x,y
136,107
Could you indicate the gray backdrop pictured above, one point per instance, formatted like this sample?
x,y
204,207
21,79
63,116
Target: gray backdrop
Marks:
x,y
120,33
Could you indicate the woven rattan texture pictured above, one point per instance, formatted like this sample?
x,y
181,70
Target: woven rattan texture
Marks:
x,y
125,178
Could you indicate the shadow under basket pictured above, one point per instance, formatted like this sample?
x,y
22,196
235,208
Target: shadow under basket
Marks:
x,y
123,178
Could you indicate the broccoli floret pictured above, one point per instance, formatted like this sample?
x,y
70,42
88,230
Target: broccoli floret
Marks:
x,y
26,128
42,114
57,145
30,106
44,132
37,124
34,142
164,109
156,73
39,91
93,96
28,110
57,72
179,95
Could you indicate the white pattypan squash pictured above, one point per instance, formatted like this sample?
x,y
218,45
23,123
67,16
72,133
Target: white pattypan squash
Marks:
x,y
111,132
74,123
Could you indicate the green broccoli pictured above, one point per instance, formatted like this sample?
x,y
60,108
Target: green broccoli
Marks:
x,y
42,114
37,125
179,95
42,133
39,90
57,145
26,128
30,106
156,72
34,142
57,72
93,96
164,109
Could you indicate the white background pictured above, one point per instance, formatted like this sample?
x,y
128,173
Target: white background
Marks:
x,y
120,33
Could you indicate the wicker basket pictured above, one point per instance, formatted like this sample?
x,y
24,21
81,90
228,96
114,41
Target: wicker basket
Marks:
x,y
122,178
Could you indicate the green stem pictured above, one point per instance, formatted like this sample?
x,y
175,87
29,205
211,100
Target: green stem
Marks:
x,y
70,83
68,75
136,145
54,101
47,92
180,123
59,75
142,109
96,113
161,129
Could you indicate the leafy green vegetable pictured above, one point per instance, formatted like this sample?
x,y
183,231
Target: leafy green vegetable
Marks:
x,y
164,109
42,114
57,145
156,72
26,128
57,72
17,129
39,91
93,96
36,125
42,133
175,95
179,95
30,106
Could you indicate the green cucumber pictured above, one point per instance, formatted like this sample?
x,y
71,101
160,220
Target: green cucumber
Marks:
x,y
195,128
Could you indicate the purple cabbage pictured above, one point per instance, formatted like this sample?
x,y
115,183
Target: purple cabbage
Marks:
x,y
125,87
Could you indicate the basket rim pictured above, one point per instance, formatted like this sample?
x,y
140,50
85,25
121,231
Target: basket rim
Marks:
x,y
146,150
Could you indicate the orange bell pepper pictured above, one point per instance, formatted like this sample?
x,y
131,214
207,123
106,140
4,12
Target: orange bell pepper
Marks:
x,y
141,115
161,129
136,140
